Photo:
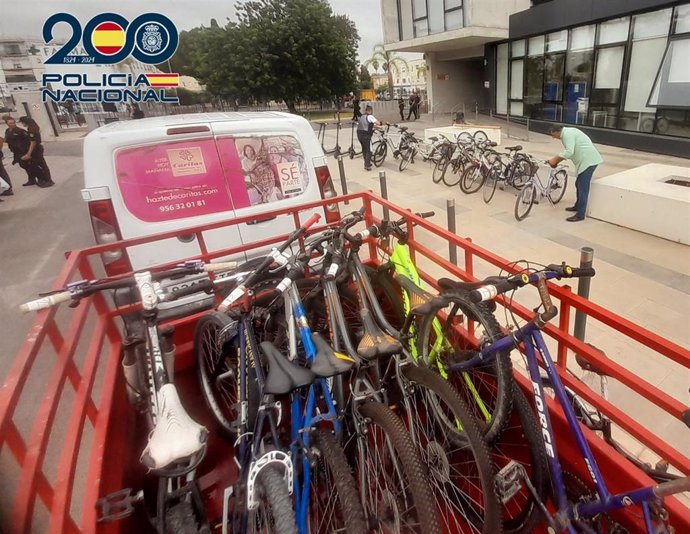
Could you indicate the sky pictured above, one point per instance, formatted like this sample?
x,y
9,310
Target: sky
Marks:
x,y
24,18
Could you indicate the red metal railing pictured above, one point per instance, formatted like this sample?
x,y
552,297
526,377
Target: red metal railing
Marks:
x,y
68,446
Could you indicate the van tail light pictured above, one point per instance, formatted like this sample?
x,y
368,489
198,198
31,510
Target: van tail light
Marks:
x,y
323,175
105,231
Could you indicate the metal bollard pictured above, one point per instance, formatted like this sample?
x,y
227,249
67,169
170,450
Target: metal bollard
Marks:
x,y
586,258
528,129
384,191
508,125
452,248
343,181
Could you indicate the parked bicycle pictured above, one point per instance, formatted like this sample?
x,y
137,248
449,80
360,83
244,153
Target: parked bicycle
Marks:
x,y
575,512
176,443
553,189
512,169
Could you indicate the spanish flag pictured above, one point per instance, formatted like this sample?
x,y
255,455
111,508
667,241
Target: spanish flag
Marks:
x,y
108,38
163,80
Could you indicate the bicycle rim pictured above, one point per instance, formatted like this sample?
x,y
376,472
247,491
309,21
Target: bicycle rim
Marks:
x,y
472,180
524,202
489,187
451,175
439,170
451,445
557,186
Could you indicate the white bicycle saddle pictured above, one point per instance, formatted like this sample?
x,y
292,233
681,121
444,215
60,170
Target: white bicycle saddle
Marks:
x,y
176,438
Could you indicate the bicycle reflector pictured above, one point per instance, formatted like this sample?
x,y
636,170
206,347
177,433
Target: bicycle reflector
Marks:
x,y
323,176
106,230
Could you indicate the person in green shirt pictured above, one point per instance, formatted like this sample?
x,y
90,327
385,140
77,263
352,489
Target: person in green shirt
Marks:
x,y
578,148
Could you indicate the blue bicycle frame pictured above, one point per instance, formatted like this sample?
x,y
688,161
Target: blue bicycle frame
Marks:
x,y
305,415
568,513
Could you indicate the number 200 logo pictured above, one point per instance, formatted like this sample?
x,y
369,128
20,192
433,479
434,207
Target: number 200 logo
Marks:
x,y
110,38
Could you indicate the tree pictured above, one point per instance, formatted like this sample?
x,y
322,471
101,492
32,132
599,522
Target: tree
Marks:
x,y
364,78
288,50
389,61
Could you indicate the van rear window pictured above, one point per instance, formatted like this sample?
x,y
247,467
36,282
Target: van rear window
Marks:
x,y
263,169
172,180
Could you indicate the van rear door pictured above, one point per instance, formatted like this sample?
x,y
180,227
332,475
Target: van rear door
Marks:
x,y
266,171
171,184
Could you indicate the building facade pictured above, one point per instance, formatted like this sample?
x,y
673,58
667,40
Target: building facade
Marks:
x,y
617,69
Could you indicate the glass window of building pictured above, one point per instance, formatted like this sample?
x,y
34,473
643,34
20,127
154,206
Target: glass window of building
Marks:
x,y
517,69
582,38
614,31
557,41
516,109
579,66
421,28
534,86
419,8
436,17
649,43
554,67
682,19
454,19
518,48
502,78
672,84
536,46
603,110
452,4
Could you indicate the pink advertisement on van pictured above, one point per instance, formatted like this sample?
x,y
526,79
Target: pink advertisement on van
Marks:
x,y
172,180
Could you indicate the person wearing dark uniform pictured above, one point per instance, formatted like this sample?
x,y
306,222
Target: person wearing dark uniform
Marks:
x,y
401,107
365,129
34,155
3,172
356,109
17,140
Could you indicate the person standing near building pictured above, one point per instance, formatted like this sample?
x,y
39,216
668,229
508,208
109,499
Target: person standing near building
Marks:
x,y
18,142
34,155
417,103
365,129
401,107
410,113
356,109
3,172
578,148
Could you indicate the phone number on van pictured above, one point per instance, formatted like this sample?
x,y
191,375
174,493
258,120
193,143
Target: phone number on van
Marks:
x,y
182,206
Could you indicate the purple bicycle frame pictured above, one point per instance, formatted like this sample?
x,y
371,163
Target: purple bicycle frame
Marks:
x,y
533,340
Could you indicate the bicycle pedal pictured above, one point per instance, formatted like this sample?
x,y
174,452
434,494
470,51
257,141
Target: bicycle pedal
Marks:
x,y
509,481
117,505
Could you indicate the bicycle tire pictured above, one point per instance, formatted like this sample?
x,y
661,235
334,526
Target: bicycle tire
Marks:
x,y
523,443
422,506
274,498
405,157
454,171
525,201
180,519
341,486
464,137
489,188
461,470
378,153
472,179
439,169
560,180
480,136
521,172
486,389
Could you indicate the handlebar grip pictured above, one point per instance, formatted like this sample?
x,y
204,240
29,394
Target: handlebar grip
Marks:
x,y
426,214
373,231
45,302
582,272
491,291
311,221
220,266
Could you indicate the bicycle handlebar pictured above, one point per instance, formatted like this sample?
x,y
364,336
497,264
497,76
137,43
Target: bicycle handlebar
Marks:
x,y
387,227
45,302
491,287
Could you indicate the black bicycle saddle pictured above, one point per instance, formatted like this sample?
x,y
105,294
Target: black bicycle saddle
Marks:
x,y
283,375
327,363
375,343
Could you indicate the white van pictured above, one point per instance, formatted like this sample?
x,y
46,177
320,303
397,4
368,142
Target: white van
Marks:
x,y
158,174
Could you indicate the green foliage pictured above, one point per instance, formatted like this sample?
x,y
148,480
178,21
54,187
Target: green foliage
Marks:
x,y
188,98
287,50
390,62
365,78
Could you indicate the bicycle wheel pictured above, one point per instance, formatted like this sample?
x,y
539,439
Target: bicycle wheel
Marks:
x,y
490,186
450,176
378,153
472,179
397,493
524,201
334,500
464,137
275,513
521,172
439,170
405,158
480,136
521,443
444,338
451,445
557,186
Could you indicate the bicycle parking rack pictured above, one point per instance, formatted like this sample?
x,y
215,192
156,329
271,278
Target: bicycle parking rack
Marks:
x,y
65,438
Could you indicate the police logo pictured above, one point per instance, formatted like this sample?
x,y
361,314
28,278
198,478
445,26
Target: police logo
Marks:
x,y
152,39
